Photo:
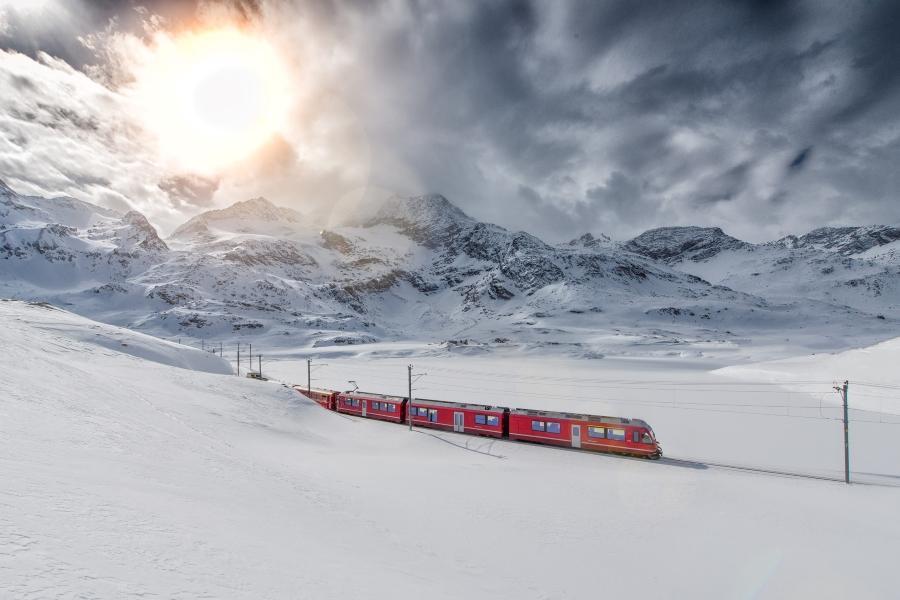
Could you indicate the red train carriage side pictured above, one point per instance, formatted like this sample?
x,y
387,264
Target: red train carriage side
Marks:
x,y
372,406
588,432
474,419
325,398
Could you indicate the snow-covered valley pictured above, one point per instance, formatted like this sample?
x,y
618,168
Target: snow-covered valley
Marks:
x,y
127,475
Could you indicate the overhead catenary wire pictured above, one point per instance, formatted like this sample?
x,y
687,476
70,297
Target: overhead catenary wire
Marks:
x,y
723,409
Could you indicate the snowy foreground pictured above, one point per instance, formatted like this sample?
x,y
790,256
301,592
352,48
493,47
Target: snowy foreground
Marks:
x,y
125,474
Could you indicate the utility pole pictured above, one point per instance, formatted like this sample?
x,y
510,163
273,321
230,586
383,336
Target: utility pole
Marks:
x,y
308,375
220,349
251,358
844,389
239,359
259,356
409,402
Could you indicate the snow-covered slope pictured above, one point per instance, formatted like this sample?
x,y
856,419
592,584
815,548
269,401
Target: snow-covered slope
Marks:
x,y
124,477
63,244
871,372
852,266
419,268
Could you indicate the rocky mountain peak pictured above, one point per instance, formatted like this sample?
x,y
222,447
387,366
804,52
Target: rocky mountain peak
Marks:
x,y
144,234
673,244
431,220
846,241
256,215
256,208
588,240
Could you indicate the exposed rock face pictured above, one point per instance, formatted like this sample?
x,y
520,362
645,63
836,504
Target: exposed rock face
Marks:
x,y
674,244
430,220
846,241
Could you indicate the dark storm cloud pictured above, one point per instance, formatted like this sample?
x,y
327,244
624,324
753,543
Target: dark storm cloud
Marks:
x,y
559,117
800,160
657,111
190,190
875,60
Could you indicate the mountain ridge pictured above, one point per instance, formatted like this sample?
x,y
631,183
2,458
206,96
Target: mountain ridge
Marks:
x,y
422,267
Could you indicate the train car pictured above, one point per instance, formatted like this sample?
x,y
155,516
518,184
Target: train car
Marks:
x,y
587,432
372,406
325,398
474,419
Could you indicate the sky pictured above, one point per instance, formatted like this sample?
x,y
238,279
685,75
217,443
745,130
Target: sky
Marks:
x,y
764,118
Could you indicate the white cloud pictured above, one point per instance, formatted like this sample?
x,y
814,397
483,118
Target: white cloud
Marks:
x,y
64,133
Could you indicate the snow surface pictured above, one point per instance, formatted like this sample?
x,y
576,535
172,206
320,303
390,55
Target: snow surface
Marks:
x,y
127,477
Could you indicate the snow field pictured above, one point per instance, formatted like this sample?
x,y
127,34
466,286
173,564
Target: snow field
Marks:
x,y
130,477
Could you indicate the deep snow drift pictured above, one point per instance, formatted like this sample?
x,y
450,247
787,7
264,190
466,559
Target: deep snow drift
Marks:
x,y
125,476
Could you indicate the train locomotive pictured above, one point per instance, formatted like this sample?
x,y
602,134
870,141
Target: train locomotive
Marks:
x,y
631,437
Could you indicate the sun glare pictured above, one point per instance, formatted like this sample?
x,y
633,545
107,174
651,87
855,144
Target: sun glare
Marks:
x,y
213,98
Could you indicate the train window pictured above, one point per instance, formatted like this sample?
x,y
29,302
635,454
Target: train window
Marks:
x,y
423,412
635,436
596,432
646,439
392,408
552,427
432,415
480,420
537,426
494,421
616,434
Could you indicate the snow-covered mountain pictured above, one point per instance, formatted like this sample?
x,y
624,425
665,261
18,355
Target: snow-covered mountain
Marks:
x,y
677,244
419,268
64,244
854,266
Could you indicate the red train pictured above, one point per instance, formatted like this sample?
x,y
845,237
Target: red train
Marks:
x,y
588,432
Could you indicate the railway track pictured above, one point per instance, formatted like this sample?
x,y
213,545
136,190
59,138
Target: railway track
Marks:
x,y
705,464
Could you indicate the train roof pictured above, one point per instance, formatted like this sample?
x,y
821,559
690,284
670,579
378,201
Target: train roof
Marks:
x,y
360,394
467,405
303,388
579,417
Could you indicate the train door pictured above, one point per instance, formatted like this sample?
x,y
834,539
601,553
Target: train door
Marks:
x,y
363,408
459,422
576,436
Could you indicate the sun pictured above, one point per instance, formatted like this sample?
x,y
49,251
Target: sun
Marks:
x,y
213,98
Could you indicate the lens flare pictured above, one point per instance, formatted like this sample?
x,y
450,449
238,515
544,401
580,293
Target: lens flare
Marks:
x,y
212,98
